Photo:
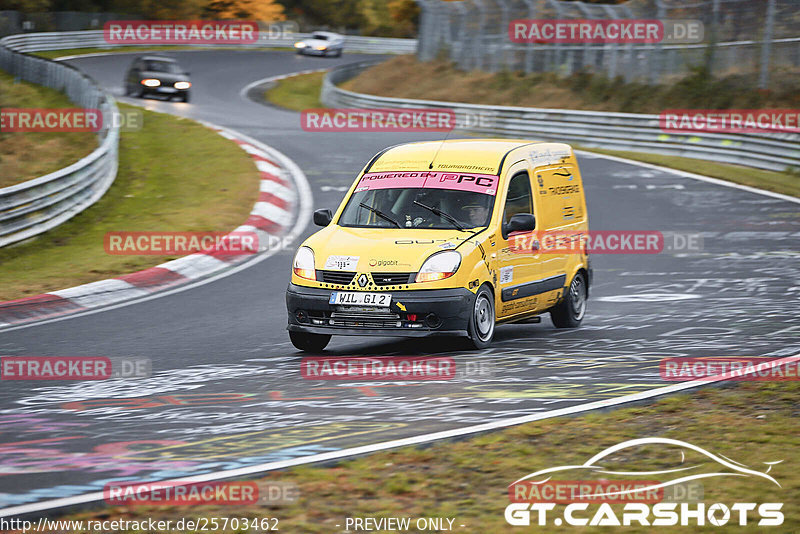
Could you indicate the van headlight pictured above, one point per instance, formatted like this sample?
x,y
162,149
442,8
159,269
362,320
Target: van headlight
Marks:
x,y
151,82
439,266
304,264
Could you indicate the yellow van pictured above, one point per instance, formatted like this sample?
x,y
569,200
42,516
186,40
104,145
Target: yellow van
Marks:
x,y
442,238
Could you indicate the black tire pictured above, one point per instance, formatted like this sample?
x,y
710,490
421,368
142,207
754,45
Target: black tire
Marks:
x,y
138,93
185,96
570,311
338,53
309,342
482,319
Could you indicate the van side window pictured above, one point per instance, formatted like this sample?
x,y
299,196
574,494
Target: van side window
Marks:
x,y
519,198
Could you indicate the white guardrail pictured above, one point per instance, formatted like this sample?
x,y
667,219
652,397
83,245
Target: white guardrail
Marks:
x,y
617,131
35,206
31,42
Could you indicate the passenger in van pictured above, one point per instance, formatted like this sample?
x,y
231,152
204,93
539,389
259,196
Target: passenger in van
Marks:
x,y
476,214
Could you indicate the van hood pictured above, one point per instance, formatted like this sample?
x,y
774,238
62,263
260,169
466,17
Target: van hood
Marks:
x,y
383,249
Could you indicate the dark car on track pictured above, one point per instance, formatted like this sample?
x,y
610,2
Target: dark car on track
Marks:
x,y
156,75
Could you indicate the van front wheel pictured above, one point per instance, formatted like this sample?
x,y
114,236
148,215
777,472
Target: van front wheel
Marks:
x,y
570,311
481,321
309,342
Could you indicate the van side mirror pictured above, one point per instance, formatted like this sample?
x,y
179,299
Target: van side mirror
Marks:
x,y
521,222
323,217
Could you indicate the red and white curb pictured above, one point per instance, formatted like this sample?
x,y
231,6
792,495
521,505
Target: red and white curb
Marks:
x,y
278,206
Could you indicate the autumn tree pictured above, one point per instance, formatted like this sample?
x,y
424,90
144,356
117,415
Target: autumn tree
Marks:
x,y
265,10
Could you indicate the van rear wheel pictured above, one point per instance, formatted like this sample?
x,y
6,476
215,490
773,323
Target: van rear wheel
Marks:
x,y
482,318
570,311
309,342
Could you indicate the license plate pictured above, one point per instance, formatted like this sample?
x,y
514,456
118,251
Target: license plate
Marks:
x,y
167,90
361,299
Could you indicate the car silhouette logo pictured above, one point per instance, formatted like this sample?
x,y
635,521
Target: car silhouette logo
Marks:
x,y
681,473
362,280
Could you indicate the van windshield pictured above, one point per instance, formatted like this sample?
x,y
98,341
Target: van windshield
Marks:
x,y
428,200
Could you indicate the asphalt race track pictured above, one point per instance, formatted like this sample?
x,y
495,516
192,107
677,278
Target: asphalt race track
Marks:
x,y
226,390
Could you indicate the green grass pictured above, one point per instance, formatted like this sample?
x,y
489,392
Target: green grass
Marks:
x,y
174,175
54,150
297,92
751,422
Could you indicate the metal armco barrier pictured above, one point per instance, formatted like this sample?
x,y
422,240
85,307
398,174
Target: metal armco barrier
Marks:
x,y
617,131
35,206
31,42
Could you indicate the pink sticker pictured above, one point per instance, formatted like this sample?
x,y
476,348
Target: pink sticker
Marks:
x,y
475,183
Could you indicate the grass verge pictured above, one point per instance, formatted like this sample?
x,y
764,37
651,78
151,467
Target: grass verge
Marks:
x,y
302,92
405,77
750,422
174,175
297,92
54,150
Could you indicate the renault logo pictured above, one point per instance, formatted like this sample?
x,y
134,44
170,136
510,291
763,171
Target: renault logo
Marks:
x,y
362,280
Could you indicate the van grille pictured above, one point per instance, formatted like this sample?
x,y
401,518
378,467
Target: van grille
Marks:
x,y
392,279
337,277
369,320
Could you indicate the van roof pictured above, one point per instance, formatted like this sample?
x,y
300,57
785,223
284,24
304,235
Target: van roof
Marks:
x,y
482,156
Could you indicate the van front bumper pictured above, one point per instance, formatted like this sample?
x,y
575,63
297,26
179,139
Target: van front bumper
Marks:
x,y
437,311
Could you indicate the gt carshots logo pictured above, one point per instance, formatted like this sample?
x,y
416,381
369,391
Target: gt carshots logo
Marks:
x,y
592,502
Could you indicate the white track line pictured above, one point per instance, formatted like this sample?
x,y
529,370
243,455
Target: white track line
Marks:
x,y
415,440
693,176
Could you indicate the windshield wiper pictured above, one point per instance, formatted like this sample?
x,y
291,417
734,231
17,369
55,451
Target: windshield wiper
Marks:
x,y
442,214
380,214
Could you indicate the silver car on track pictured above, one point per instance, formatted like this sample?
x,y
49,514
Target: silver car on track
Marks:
x,y
321,44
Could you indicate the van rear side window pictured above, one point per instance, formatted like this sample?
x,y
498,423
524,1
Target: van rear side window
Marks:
x,y
519,198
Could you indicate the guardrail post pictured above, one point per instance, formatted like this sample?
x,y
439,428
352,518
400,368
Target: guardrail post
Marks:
x,y
766,46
